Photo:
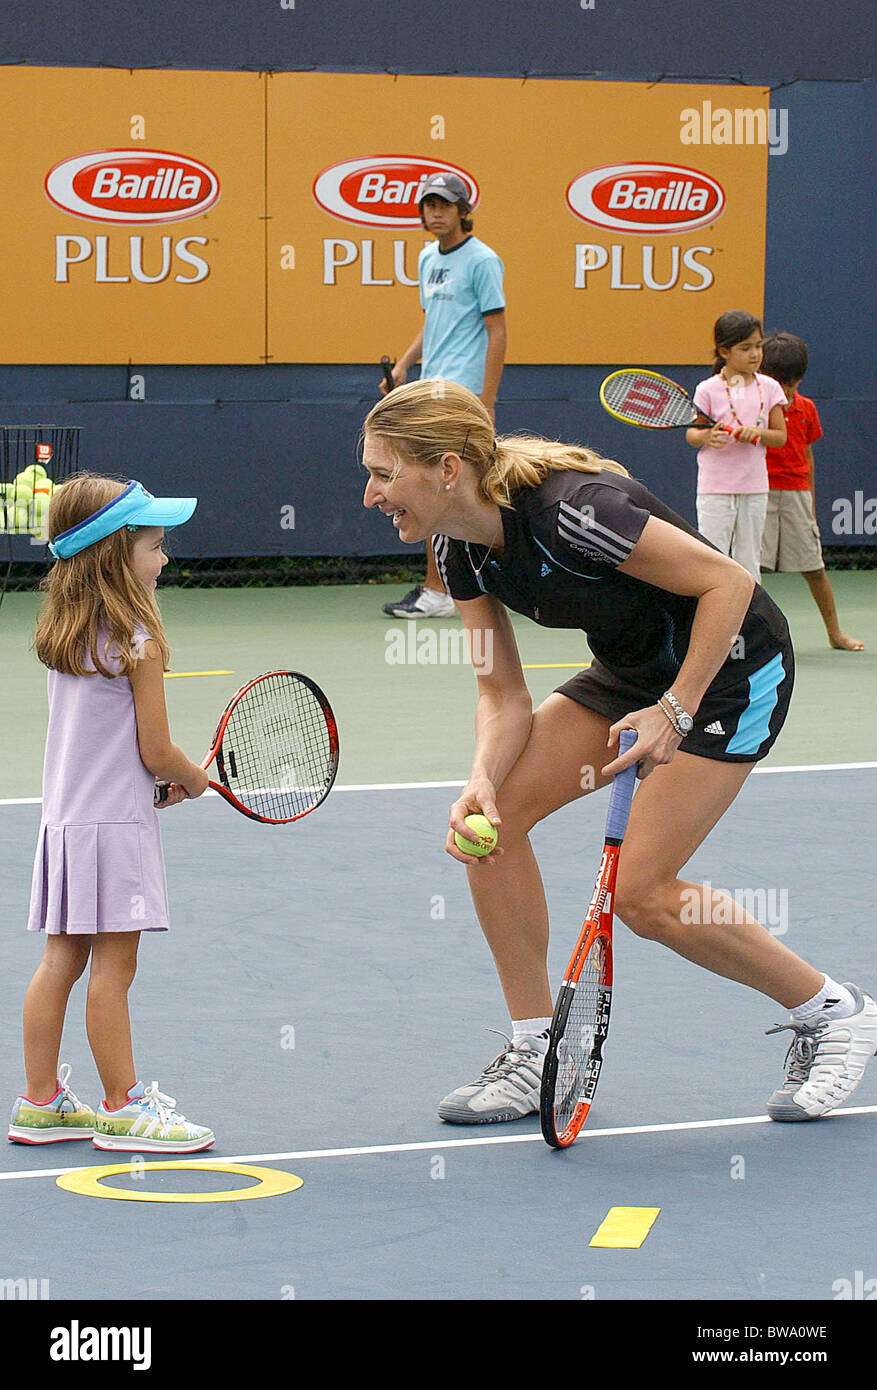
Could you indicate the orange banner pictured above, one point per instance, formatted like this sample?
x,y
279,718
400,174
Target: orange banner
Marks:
x,y
627,217
134,226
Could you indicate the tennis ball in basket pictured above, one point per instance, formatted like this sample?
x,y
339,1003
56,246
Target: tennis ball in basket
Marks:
x,y
33,471
43,487
39,513
481,827
23,487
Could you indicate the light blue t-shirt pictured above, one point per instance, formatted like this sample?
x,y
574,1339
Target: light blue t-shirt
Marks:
x,y
457,288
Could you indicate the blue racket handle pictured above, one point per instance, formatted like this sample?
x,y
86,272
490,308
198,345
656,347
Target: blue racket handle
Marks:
x,y
623,789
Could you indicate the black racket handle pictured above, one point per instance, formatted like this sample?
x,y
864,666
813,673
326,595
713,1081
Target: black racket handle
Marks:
x,y
159,796
387,369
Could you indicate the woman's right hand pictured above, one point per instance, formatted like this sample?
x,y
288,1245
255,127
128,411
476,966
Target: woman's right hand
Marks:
x,y
478,798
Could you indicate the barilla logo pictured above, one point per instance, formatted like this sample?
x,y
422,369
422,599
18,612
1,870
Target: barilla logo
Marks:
x,y
142,186
646,198
382,190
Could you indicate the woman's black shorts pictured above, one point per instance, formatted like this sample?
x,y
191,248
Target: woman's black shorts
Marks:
x,y
738,722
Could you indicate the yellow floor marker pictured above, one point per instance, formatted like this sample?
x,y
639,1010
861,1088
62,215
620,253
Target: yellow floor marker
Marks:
x,y
625,1228
181,675
556,666
87,1182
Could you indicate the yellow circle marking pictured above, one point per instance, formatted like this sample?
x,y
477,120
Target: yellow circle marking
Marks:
x,y
88,1182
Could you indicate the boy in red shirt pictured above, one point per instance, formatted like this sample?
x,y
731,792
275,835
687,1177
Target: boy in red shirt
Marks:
x,y
791,536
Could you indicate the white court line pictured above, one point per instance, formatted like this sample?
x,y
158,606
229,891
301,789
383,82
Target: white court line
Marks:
x,y
428,786
432,1144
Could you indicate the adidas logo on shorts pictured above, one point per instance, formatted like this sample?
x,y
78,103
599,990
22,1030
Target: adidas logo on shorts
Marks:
x,y
715,728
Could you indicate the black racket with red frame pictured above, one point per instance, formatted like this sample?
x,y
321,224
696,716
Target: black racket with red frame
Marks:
x,y
275,749
581,1014
652,402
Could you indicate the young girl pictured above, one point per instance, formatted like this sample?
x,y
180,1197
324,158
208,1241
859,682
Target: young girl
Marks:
x,y
732,484
98,878
556,533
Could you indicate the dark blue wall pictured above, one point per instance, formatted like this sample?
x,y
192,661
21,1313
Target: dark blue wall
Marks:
x,y
250,441
630,38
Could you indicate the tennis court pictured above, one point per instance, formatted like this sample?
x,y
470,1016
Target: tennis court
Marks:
x,y
230,227
320,990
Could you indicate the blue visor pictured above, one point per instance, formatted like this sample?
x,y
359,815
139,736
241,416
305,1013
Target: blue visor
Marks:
x,y
134,507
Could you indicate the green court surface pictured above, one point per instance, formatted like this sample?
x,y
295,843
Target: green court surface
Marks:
x,y
404,693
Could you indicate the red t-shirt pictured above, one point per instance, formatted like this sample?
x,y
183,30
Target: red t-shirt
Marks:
x,y
788,468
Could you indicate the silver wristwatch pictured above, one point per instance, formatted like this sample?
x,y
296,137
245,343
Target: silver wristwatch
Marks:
x,y
684,721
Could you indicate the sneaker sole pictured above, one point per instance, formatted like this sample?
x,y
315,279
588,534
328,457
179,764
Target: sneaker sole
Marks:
x,y
459,1115
123,1145
46,1136
418,613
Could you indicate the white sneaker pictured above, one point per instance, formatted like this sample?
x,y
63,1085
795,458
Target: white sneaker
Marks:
x,y
507,1089
422,603
826,1061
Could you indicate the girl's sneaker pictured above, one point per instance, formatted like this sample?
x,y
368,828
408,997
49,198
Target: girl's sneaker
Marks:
x,y
62,1117
148,1122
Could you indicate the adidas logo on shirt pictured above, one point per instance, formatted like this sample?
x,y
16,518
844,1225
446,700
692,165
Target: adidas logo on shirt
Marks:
x,y
715,728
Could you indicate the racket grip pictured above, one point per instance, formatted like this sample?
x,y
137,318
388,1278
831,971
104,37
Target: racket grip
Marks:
x,y
387,368
622,792
159,796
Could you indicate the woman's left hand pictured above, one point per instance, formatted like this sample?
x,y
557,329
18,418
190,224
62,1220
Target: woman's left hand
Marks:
x,y
656,741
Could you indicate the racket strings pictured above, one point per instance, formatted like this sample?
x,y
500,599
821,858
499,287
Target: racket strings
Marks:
x,y
644,400
279,755
577,1051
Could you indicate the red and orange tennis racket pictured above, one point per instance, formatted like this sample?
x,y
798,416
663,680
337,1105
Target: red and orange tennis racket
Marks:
x,y
652,402
275,748
581,1013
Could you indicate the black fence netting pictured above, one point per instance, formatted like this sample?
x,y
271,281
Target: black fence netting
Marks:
x,y
262,572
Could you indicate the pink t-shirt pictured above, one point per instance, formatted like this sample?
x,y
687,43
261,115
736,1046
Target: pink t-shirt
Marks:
x,y
736,467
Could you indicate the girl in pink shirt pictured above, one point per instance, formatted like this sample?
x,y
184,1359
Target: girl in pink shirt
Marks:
x,y
732,483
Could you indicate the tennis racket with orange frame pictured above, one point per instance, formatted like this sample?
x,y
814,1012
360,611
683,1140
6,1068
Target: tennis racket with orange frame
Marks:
x,y
580,1023
275,748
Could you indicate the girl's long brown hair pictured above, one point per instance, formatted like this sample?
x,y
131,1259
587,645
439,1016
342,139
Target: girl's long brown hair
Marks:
x,y
425,419
93,590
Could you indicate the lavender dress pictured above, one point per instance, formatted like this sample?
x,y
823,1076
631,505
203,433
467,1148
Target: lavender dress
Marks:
x,y
98,865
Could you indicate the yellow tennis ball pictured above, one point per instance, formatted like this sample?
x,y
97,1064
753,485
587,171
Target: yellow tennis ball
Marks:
x,y
486,833
39,514
23,486
33,471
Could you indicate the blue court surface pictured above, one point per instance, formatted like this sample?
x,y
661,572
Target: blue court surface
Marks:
x,y
315,1013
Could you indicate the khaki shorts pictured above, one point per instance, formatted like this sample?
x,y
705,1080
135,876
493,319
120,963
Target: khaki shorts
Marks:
x,y
791,536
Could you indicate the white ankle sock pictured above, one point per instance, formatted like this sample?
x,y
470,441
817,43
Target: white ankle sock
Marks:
x,y
536,1028
832,1001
